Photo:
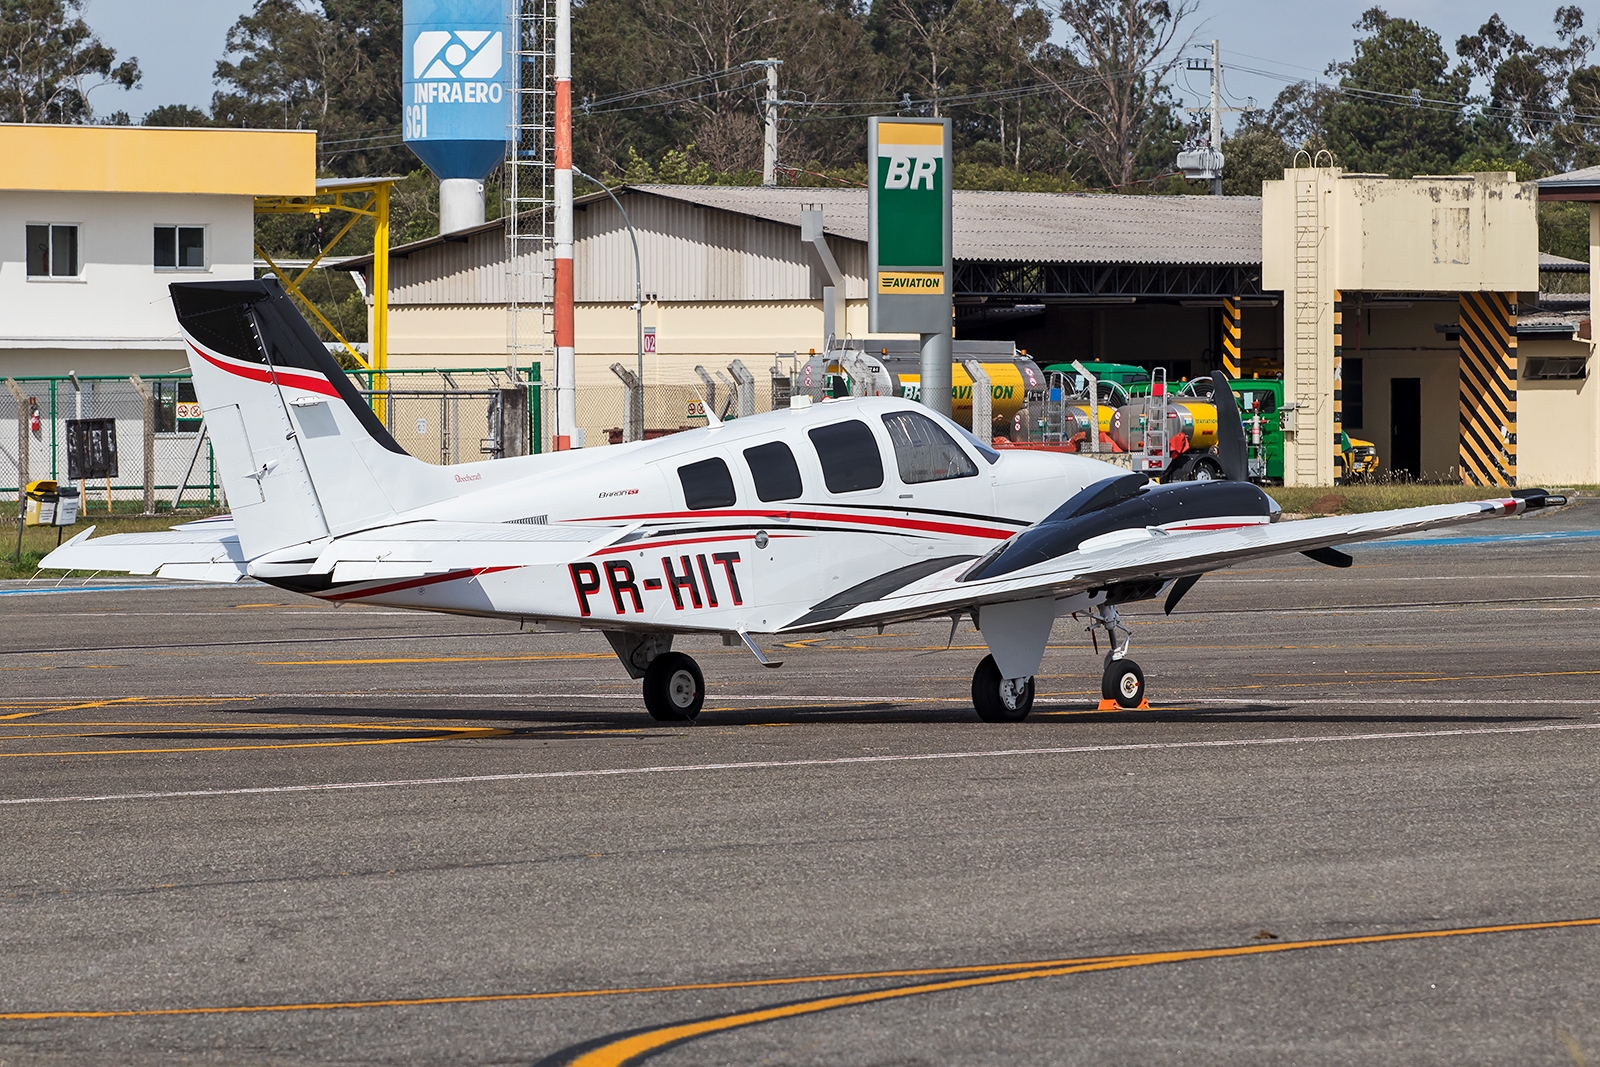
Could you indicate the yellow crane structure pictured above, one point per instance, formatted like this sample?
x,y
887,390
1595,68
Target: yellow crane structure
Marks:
x,y
358,198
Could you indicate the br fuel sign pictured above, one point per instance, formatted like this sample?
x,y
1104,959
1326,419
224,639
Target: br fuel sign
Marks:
x,y
909,225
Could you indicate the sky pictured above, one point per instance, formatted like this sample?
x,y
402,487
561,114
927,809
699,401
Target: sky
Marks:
x,y
178,42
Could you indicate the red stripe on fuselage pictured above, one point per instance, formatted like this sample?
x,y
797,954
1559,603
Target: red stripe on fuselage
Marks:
x,y
412,583
263,374
644,546
820,516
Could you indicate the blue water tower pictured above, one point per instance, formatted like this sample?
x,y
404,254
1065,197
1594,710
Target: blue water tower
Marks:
x,y
457,84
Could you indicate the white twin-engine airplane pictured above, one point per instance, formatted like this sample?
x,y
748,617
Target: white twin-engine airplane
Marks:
x,y
834,516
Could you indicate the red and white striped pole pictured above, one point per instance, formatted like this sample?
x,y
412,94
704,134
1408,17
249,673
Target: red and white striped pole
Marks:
x,y
565,429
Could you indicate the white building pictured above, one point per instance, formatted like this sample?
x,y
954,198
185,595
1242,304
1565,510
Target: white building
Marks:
x,y
96,221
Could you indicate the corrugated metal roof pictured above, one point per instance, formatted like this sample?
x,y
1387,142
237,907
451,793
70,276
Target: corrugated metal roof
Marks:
x,y
1030,227
1001,227
1562,264
1573,185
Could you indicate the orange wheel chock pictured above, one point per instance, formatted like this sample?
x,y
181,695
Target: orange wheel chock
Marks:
x,y
1107,704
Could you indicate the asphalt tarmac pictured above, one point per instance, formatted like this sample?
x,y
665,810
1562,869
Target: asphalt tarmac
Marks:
x,y
1360,825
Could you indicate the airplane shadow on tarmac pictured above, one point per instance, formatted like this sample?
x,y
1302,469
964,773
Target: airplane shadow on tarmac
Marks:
x,y
551,722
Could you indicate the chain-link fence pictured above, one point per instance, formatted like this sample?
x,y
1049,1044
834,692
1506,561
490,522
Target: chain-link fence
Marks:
x,y
163,456
674,406
177,451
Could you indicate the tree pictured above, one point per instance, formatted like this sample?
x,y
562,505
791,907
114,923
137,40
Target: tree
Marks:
x,y
175,115
1111,73
1526,83
332,66
1253,155
50,62
976,53
1399,109
653,75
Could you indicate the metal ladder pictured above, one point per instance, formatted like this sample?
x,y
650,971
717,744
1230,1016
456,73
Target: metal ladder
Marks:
x,y
1153,456
1308,237
527,189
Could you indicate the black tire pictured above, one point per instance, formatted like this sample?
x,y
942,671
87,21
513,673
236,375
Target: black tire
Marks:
x,y
674,688
1206,469
1123,682
991,698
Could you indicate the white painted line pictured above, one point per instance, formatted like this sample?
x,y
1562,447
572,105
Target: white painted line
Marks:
x,y
757,765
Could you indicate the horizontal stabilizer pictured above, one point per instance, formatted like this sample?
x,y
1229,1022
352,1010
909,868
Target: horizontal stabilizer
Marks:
x,y
204,551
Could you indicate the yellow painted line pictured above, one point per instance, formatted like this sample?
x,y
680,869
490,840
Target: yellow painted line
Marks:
x,y
490,998
630,1049
484,732
149,702
241,607
428,659
986,974
181,729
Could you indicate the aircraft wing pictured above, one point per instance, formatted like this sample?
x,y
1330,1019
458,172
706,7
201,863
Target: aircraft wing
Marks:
x,y
1155,556
203,551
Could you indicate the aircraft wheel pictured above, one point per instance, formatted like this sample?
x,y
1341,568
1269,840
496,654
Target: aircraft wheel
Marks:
x,y
1123,682
674,688
997,700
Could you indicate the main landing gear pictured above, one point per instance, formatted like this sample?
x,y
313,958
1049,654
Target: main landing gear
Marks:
x,y
1122,684
674,688
998,699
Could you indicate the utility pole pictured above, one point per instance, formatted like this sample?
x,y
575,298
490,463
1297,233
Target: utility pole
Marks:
x,y
769,155
1206,162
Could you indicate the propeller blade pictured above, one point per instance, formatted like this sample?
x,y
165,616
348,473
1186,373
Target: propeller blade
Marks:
x,y
1232,449
1179,588
1330,556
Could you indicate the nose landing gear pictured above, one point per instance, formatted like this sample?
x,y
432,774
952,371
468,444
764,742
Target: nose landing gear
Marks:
x,y
1122,684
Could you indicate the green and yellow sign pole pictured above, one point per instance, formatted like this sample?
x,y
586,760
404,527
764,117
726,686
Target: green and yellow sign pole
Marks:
x,y
908,242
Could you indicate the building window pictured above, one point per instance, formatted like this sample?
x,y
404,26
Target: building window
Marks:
x,y
849,456
1355,413
52,250
180,248
1555,368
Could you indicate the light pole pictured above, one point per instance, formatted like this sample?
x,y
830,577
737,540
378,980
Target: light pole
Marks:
x,y
638,292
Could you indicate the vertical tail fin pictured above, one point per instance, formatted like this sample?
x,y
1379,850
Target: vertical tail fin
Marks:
x,y
301,454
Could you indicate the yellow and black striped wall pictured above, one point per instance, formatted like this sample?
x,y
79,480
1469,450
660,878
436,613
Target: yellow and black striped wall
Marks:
x,y
1488,388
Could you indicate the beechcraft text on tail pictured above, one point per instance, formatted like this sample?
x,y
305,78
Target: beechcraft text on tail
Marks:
x,y
831,516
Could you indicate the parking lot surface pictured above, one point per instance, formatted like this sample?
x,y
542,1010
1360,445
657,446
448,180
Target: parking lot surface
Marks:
x,y
1359,824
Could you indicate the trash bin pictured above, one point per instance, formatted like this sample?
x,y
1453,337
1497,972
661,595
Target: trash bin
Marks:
x,y
66,506
42,501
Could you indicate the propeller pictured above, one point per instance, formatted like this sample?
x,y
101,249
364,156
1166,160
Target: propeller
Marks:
x,y
1179,588
1232,451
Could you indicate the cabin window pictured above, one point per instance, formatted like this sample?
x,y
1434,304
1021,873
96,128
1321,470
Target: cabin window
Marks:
x,y
849,456
707,484
773,469
52,250
180,248
924,452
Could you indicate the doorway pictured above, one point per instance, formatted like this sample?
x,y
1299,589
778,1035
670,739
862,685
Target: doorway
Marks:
x,y
1405,427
